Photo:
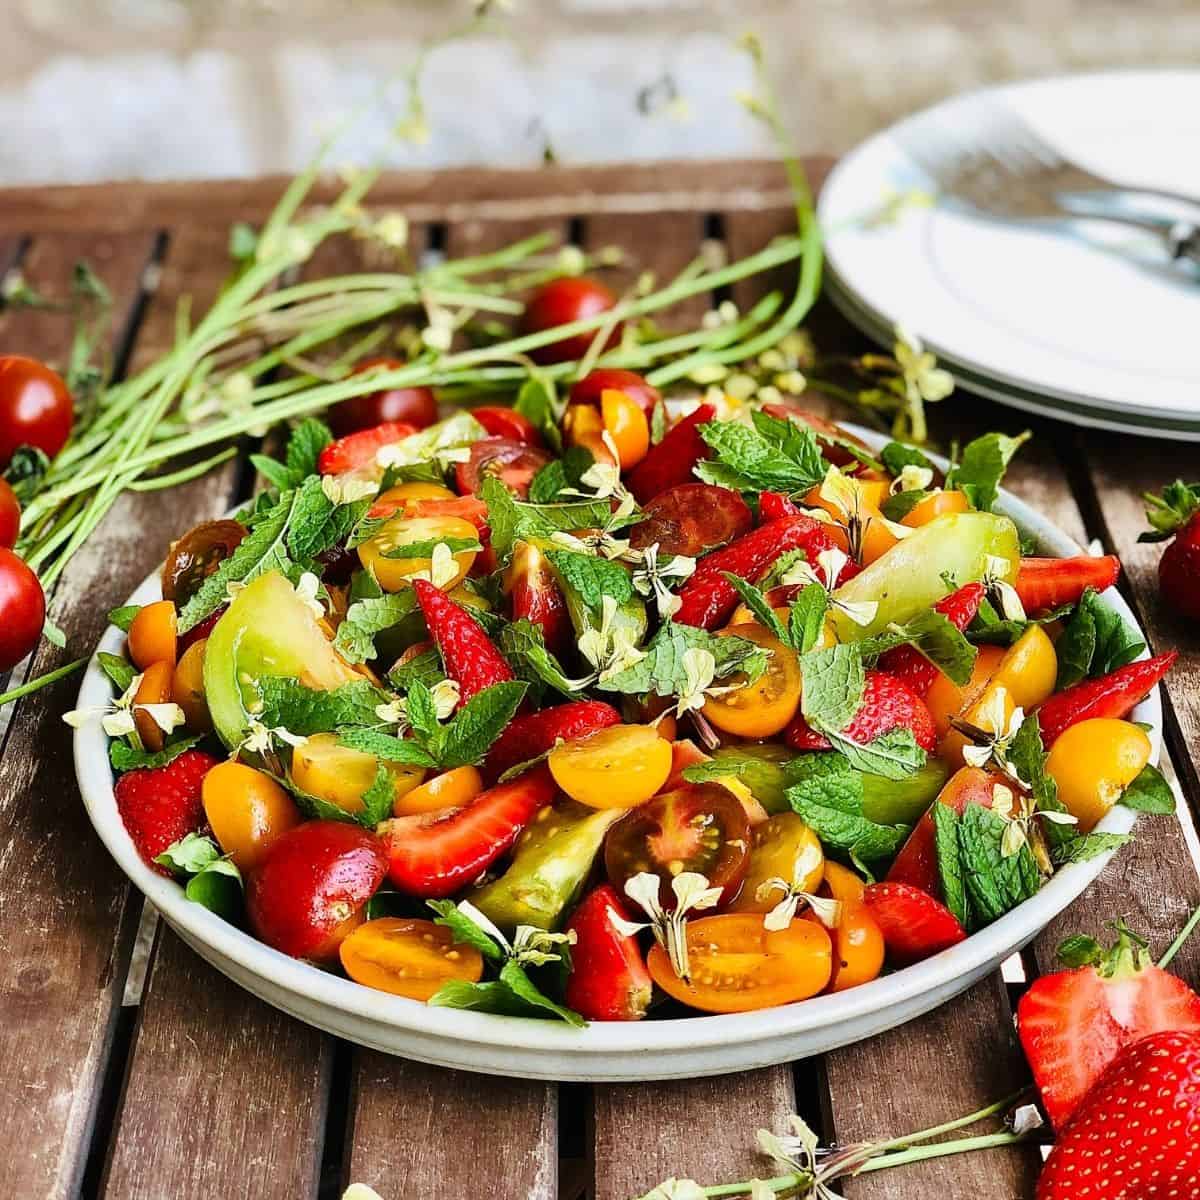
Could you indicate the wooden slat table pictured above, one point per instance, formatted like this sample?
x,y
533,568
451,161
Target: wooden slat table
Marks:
x,y
169,1082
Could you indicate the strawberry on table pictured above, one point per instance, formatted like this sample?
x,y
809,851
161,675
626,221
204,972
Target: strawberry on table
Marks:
x,y
160,805
1136,1134
1176,515
887,704
609,980
914,925
1073,1023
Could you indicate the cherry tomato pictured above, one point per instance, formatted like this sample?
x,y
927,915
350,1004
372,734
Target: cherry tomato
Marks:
x,y
694,828
378,553
842,883
152,635
408,957
594,384
196,556
626,426
247,811
1093,762
451,789
415,406
781,847
507,423
307,894
512,462
946,699
1029,668
561,301
187,687
22,610
691,519
339,775
858,948
937,505
616,767
737,965
35,407
405,495
155,688
766,706
10,516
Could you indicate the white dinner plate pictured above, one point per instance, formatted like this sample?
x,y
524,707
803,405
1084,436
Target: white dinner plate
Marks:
x,y
1090,324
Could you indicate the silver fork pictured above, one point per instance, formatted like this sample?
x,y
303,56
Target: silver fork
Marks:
x,y
1005,169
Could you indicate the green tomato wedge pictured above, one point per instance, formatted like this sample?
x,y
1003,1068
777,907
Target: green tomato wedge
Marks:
x,y
911,577
903,801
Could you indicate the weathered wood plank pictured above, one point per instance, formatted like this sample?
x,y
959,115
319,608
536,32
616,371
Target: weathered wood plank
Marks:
x,y
700,1129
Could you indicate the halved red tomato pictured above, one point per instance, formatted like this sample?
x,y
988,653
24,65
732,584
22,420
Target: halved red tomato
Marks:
x,y
692,519
512,462
507,423
359,449
700,828
594,384
535,596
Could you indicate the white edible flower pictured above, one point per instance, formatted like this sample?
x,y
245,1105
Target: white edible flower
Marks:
x,y
610,650
1000,590
570,260
308,589
392,230
445,695
692,894
260,740
994,730
924,380
537,946
117,716
796,1149
360,1191
699,672
912,478
1018,813
825,572
443,569
348,488
393,712
650,579
1026,1119
602,479
845,495
828,912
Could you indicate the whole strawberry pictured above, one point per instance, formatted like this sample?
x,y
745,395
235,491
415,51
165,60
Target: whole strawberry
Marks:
x,y
160,805
1176,515
1137,1132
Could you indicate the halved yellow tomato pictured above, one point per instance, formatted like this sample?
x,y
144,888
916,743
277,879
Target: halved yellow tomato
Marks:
x,y
379,554
1029,668
766,706
339,775
780,847
617,767
451,789
408,957
625,422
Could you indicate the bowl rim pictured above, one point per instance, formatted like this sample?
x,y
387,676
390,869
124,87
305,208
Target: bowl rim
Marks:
x,y
312,984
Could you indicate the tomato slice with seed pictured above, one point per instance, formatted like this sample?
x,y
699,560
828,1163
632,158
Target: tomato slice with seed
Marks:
x,y
197,555
408,957
692,519
512,462
736,964
700,828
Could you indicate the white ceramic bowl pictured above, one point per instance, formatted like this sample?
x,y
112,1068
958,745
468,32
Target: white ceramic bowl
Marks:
x,y
513,1046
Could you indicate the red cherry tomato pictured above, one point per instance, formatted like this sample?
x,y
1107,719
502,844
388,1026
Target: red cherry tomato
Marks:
x,y
10,516
22,610
588,390
35,407
359,449
197,555
560,302
512,462
692,519
507,423
415,406
694,828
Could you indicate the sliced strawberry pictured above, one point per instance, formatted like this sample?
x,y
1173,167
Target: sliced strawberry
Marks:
x,y
1113,695
467,652
908,664
1044,583
359,449
1072,1024
438,854
1136,1134
507,423
774,506
673,460
887,704
608,980
913,923
525,737
160,805
708,597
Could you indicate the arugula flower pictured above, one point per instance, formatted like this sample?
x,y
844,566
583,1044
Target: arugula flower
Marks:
x,y
260,740
308,588
609,650
846,495
912,478
445,695
1000,591
825,574
117,716
699,674
604,479
692,893
1018,813
924,381
529,945
828,912
993,736
650,579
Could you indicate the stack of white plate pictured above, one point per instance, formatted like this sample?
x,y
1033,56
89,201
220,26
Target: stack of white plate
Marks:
x,y
1090,324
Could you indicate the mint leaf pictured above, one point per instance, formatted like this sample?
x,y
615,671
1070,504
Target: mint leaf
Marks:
x,y
125,757
190,855
896,507
935,637
464,930
988,626
565,472
538,400
806,618
1095,641
982,467
1091,845
121,672
949,864
422,713
25,472
1028,757
523,644
775,455
215,882
833,686
377,799
387,747
894,755
425,668
304,448
364,586
316,524
662,673
896,456
516,979
512,995
511,519
995,884
273,471
355,638
756,602
288,704
122,617
426,546
714,770
591,578
1149,793
468,737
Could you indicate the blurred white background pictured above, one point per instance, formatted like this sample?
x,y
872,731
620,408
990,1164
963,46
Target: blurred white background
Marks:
x,y
154,89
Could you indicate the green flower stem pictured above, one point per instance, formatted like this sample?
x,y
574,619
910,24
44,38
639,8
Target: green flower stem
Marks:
x,y
185,474
36,685
999,1106
1181,937
984,1141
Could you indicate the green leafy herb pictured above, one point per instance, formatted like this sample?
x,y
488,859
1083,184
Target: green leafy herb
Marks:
x,y
994,883
387,747
756,602
523,644
511,519
774,455
426,667
464,930
806,617
288,704
662,670
304,447
1149,793
122,617
833,686
538,401
425,547
1095,641
1090,845
591,578
894,755
513,994
949,863
121,672
897,506
895,456
935,637
982,467
988,626
25,472
125,757
565,472
1028,758
377,799
214,881
316,524
355,639
714,770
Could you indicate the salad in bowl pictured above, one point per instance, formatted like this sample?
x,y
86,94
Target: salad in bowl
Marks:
x,y
620,710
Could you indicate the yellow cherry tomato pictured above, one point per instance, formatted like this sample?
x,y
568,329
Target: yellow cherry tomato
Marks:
x,y
626,424
339,775
152,635
408,957
582,423
1029,668
766,706
187,687
932,507
247,810
1093,763
451,789
394,574
414,490
946,699
781,847
617,767
842,883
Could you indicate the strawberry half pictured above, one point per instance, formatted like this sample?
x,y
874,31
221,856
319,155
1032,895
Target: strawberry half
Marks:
x,y
887,704
531,735
914,925
908,664
1044,583
1137,1132
359,449
160,805
671,462
608,980
1073,1023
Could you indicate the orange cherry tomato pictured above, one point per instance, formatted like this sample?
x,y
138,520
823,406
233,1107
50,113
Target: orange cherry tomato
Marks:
x,y
617,767
1093,762
187,687
155,688
408,957
393,573
857,947
946,699
1029,668
451,789
625,422
766,706
582,421
994,698
152,635
737,965
842,883
937,505
780,848
247,810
